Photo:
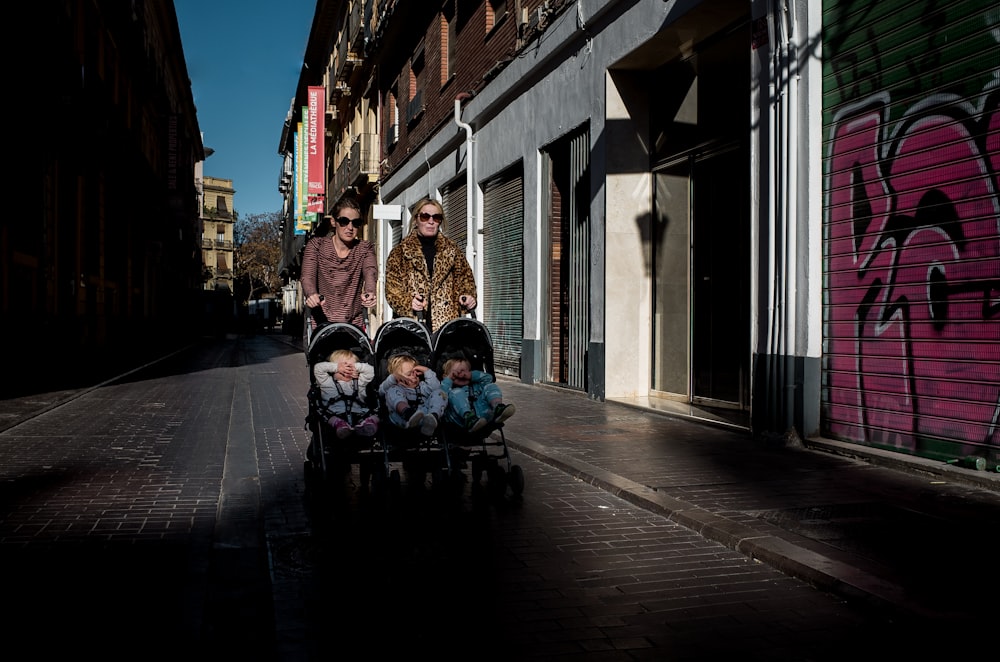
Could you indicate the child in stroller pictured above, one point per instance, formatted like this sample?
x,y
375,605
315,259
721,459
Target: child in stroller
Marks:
x,y
412,394
343,381
467,440
352,403
474,398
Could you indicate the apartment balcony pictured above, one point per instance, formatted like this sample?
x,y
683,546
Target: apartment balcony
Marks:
x,y
355,25
217,244
363,162
347,61
217,273
370,19
341,178
350,49
340,89
213,214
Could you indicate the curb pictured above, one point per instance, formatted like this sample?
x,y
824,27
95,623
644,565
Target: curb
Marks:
x,y
825,573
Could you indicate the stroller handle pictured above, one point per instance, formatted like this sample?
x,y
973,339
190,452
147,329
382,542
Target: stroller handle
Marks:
x,y
317,311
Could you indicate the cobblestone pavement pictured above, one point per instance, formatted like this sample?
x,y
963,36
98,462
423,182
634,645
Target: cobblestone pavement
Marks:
x,y
168,515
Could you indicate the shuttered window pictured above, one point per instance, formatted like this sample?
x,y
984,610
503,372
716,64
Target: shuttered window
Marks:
x,y
911,246
454,203
503,266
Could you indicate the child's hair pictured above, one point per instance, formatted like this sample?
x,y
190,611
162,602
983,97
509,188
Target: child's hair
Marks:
x,y
396,362
451,363
340,355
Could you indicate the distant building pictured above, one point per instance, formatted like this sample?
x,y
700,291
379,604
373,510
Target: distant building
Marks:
x,y
217,223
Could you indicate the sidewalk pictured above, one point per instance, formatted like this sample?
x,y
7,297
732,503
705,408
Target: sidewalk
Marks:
x,y
892,530
874,526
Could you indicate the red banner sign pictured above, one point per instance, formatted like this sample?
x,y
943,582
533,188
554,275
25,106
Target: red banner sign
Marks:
x,y
316,129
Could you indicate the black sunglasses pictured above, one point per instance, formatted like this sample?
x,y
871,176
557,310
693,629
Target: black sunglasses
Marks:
x,y
343,221
424,216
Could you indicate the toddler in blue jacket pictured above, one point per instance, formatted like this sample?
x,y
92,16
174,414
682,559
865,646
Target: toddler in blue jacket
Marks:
x,y
474,399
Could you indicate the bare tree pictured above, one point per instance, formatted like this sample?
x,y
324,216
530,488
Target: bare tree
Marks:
x,y
256,254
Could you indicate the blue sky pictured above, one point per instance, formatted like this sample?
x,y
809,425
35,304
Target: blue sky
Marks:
x,y
244,58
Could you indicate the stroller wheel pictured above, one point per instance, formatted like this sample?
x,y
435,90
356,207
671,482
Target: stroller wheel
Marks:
x,y
378,480
364,475
395,485
496,480
476,491
516,479
478,466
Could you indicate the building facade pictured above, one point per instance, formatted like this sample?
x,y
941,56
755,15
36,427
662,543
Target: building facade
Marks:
x,y
781,216
217,222
103,242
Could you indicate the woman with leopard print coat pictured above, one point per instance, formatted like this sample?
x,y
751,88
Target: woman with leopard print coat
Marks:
x,y
427,271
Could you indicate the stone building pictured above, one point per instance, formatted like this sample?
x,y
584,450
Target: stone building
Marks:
x,y
101,249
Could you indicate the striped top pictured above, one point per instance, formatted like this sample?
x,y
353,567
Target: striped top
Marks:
x,y
339,280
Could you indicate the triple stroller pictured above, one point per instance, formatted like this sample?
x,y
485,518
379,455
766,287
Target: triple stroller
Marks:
x,y
445,453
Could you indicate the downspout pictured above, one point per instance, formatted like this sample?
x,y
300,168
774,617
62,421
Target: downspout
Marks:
x,y
472,229
782,222
774,325
385,227
791,203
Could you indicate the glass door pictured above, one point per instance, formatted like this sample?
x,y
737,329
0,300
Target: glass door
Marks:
x,y
671,277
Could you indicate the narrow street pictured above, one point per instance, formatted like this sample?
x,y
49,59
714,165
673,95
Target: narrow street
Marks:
x,y
168,515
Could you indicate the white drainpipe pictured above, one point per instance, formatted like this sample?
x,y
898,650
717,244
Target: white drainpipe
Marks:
x,y
472,227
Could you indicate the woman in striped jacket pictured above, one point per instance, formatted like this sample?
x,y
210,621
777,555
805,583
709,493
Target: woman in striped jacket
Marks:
x,y
339,272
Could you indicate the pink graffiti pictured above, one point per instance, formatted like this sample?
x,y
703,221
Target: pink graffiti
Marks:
x,y
913,266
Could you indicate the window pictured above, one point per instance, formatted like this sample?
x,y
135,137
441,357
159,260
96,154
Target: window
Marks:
x,y
392,121
496,10
417,80
448,43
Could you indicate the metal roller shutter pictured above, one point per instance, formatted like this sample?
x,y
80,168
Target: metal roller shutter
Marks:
x,y
911,226
503,268
454,203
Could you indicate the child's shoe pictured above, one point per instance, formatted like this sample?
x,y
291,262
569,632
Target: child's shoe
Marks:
x,y
502,413
341,428
368,427
412,416
429,425
473,423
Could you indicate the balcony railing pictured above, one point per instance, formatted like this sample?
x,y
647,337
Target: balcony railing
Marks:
x,y
217,244
214,214
370,19
217,273
341,178
364,159
355,35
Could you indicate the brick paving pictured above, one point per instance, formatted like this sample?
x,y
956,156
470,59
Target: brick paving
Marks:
x,y
168,515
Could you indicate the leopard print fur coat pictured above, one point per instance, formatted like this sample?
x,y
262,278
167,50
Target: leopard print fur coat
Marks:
x,y
406,274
